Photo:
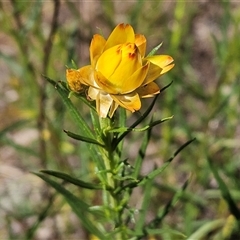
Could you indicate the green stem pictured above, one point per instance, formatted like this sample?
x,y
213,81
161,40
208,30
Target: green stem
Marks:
x,y
111,163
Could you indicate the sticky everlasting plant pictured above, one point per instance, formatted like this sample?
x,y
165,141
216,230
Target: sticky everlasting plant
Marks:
x,y
118,77
119,74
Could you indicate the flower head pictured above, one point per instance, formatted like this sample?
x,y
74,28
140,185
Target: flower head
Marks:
x,y
119,74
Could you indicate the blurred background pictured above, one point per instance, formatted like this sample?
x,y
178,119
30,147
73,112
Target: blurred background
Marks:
x,y
41,37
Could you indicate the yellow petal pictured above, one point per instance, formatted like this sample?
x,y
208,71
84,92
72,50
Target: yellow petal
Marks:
x,y
163,61
127,75
92,93
160,60
153,73
103,104
74,80
148,90
127,85
130,62
96,48
104,83
129,101
87,75
109,61
134,81
167,68
113,108
141,42
121,34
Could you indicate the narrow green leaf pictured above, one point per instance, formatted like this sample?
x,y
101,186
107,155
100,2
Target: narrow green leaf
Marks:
x,y
224,101
186,196
79,207
225,191
176,234
121,123
82,138
72,180
120,178
64,85
203,231
128,129
95,122
139,120
182,147
100,211
154,50
216,194
141,153
155,123
80,96
120,138
152,227
74,64
121,129
143,211
79,120
83,98
156,172
165,87
172,202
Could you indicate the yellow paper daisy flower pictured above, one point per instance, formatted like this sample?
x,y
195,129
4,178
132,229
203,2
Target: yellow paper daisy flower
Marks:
x,y
119,74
